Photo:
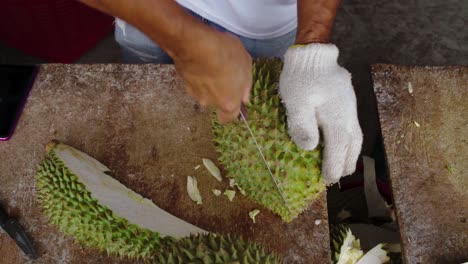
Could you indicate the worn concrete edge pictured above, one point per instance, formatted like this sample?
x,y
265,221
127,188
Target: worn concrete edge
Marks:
x,y
375,68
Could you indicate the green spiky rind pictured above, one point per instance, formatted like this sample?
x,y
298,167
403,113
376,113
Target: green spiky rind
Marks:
x,y
68,205
338,234
214,249
297,171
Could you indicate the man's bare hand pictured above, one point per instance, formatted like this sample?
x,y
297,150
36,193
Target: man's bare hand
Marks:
x,y
217,71
215,66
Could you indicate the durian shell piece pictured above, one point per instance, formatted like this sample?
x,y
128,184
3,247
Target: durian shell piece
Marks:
x,y
211,249
77,212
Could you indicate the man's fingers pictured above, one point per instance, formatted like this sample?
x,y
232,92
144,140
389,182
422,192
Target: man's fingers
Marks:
x,y
201,96
342,148
334,154
248,87
302,127
228,114
189,90
354,149
246,95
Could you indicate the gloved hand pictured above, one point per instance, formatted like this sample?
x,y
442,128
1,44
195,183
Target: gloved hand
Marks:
x,y
318,93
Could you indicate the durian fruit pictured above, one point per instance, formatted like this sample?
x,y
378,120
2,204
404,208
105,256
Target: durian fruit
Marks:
x,y
346,249
296,171
78,194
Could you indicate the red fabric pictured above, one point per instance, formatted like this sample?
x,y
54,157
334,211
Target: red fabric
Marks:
x,y
55,30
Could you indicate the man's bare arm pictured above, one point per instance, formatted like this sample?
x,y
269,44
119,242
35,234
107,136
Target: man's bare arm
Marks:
x,y
164,21
216,68
315,20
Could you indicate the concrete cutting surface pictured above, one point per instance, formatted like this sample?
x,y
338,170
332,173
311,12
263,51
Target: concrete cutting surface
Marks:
x,y
138,121
424,119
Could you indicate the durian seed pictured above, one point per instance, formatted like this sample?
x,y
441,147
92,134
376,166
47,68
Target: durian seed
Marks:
x,y
192,190
253,214
196,167
230,194
216,192
211,167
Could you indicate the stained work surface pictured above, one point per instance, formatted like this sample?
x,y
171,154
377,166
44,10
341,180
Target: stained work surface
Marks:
x,y
137,120
424,118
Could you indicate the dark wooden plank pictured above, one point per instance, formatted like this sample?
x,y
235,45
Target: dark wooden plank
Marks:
x,y
425,135
137,120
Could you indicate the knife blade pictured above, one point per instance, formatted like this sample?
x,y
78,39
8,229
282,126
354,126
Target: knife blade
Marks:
x,y
17,233
242,117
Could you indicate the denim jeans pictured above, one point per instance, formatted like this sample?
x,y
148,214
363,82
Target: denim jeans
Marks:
x,y
138,48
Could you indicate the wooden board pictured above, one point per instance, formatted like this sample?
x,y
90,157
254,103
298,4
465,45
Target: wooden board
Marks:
x,y
138,121
426,143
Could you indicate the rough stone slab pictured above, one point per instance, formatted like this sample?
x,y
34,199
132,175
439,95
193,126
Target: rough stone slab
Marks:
x,y
137,120
425,135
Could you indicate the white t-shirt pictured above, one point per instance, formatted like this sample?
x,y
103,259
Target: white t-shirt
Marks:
x,y
258,19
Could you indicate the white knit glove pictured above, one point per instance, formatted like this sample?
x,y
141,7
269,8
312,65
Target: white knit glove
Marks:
x,y
318,93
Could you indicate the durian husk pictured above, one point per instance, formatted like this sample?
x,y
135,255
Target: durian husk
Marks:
x,y
210,248
297,171
346,248
68,204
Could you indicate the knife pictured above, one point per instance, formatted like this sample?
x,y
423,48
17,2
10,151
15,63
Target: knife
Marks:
x,y
242,116
17,233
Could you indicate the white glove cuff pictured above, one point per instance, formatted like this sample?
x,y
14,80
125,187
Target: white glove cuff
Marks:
x,y
311,58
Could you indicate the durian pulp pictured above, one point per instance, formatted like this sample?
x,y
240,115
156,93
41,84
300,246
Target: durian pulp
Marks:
x,y
122,201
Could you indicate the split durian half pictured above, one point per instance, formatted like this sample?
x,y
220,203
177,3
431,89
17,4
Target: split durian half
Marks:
x,y
77,193
297,171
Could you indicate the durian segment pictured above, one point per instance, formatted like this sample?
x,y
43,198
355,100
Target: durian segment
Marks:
x,y
192,190
68,204
78,212
297,171
122,201
212,168
215,249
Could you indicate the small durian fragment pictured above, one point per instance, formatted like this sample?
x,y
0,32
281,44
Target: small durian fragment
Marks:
x,y
211,167
233,184
192,190
230,194
196,167
376,255
410,88
216,192
241,190
253,214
